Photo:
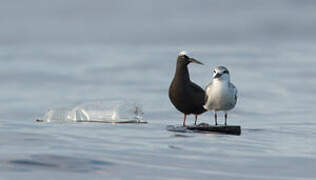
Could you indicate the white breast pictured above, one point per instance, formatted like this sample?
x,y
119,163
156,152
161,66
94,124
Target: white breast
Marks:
x,y
220,97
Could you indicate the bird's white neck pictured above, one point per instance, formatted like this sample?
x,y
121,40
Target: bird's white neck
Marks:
x,y
220,81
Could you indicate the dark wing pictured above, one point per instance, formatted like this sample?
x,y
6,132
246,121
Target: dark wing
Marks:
x,y
196,88
199,93
235,91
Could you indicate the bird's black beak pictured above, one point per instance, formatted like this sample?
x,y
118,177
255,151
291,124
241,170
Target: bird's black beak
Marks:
x,y
195,61
218,75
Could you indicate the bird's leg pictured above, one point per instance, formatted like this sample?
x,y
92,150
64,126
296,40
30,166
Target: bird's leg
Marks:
x,y
195,119
225,118
185,117
215,115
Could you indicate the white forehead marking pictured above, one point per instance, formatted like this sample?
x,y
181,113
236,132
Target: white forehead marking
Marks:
x,y
183,53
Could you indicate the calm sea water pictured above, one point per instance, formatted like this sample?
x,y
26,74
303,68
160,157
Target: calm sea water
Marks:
x,y
275,110
60,54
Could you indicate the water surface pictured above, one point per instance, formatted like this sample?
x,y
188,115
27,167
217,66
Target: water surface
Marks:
x,y
275,110
57,54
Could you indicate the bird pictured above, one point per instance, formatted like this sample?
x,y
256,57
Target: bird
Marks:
x,y
220,94
186,96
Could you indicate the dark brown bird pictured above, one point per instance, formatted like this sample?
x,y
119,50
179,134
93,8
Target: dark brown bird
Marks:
x,y
185,95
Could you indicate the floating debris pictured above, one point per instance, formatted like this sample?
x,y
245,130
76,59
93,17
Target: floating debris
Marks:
x,y
206,128
98,111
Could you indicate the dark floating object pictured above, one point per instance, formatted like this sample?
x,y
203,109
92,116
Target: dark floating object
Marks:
x,y
206,128
186,96
112,122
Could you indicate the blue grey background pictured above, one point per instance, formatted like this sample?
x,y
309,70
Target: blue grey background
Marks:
x,y
158,22
63,53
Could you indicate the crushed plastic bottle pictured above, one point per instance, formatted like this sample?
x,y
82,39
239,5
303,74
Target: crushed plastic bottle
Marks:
x,y
57,114
113,111
127,111
78,114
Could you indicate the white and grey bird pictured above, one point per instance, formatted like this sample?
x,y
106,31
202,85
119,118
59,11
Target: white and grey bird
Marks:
x,y
220,94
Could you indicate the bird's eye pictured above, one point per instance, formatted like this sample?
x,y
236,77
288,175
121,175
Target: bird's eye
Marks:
x,y
226,72
185,56
214,72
